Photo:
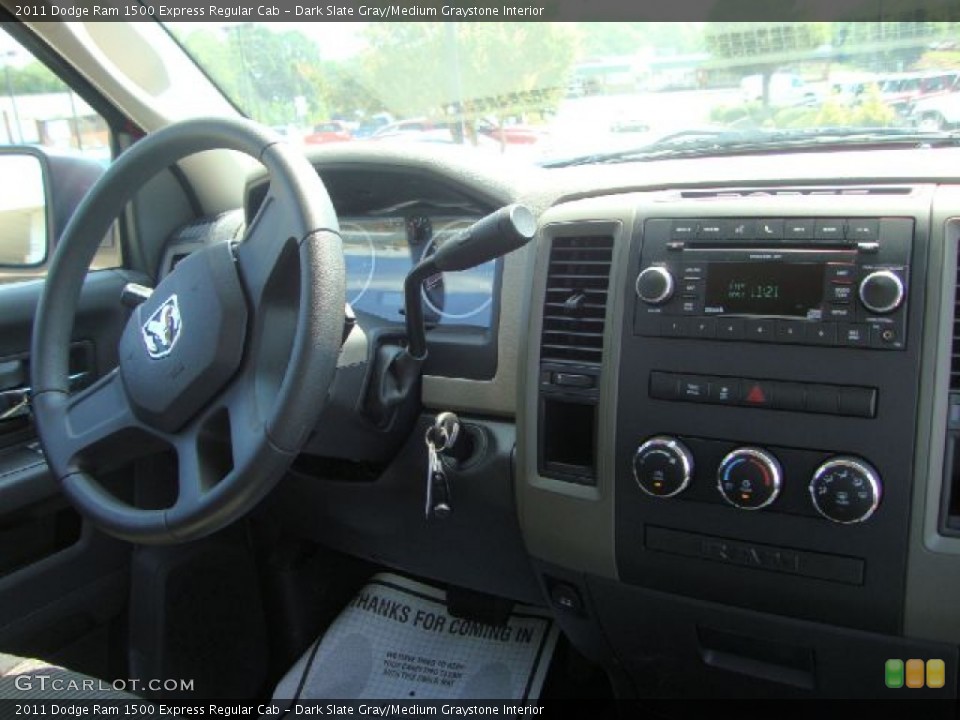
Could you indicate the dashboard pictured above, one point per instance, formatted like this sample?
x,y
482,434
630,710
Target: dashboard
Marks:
x,y
380,251
719,427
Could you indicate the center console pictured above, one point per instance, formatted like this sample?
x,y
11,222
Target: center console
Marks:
x,y
764,455
736,375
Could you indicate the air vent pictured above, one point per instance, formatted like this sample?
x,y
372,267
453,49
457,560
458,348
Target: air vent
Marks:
x,y
955,357
791,192
576,299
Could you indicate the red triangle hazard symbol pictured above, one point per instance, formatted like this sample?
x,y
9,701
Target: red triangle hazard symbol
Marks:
x,y
756,395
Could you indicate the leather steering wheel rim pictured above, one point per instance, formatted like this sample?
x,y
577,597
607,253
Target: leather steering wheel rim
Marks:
x,y
227,364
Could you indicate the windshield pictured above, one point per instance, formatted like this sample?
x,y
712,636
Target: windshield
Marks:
x,y
561,93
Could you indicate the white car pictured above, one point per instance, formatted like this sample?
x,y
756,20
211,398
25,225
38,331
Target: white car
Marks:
x,y
937,113
785,89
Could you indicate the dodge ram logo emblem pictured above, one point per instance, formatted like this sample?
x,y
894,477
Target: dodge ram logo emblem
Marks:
x,y
162,329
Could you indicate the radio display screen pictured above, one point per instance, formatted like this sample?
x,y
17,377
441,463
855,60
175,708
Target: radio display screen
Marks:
x,y
757,288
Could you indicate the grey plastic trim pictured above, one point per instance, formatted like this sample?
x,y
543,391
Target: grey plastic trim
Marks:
x,y
565,523
933,569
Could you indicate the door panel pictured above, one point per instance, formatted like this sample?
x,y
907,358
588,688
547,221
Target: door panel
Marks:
x,y
62,583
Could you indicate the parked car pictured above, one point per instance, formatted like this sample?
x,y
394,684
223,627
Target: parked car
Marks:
x,y
785,89
328,132
937,113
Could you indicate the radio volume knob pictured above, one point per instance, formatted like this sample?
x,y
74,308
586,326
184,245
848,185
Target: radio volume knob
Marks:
x,y
881,291
654,285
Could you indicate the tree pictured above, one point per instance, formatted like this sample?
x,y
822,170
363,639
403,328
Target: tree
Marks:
x,y
762,49
33,78
459,72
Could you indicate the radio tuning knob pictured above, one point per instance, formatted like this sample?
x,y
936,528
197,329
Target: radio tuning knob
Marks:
x,y
654,285
881,292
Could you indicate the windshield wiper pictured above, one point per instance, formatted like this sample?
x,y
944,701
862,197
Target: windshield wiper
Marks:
x,y
737,142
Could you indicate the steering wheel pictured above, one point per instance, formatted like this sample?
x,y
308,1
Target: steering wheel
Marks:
x,y
228,362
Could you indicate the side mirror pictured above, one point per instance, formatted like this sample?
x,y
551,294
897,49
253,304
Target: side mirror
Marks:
x,y
26,219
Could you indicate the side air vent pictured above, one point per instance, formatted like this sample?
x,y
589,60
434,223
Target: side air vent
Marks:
x,y
791,192
576,299
955,350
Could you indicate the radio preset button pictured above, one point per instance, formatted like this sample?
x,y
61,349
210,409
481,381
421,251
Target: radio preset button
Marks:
x,y
675,326
824,333
703,328
790,331
762,330
730,328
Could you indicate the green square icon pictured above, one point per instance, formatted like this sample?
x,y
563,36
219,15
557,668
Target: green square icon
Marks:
x,y
893,673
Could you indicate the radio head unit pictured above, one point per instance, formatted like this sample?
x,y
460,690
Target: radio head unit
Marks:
x,y
840,282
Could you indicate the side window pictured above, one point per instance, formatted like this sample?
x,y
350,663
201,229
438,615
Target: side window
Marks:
x,y
54,146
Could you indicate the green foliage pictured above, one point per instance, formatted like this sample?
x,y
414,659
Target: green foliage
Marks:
x,y
868,111
33,78
431,68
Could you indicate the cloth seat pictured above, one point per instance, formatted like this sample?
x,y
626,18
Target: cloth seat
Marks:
x,y
34,679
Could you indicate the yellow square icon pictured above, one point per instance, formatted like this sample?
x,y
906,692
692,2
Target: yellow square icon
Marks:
x,y
914,673
936,674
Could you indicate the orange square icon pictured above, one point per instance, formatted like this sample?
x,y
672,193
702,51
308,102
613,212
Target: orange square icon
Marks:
x,y
936,674
915,673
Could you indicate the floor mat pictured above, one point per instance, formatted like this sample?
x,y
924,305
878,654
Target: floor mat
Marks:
x,y
396,640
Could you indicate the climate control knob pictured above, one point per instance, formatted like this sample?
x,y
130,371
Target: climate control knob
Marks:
x,y
749,478
663,466
881,292
654,285
846,490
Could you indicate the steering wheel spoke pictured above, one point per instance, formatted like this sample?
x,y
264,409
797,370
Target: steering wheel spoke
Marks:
x,y
102,430
264,245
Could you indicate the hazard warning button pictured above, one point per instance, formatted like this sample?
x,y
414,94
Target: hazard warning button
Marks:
x,y
757,393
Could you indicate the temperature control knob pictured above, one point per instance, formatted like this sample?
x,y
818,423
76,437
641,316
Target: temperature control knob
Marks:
x,y
654,285
663,466
846,490
881,291
749,478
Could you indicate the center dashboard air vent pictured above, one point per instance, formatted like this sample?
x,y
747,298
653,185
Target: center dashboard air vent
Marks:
x,y
576,299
